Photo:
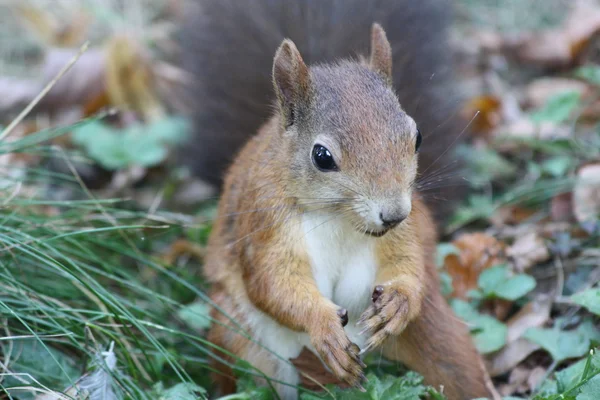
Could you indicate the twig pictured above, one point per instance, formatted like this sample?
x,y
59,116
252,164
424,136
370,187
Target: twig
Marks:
x,y
44,92
560,276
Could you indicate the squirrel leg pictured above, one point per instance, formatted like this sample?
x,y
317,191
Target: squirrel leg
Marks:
x,y
437,345
273,363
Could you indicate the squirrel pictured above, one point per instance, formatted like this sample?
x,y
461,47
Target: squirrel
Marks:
x,y
228,50
321,240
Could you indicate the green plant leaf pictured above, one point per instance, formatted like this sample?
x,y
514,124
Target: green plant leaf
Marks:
x,y
443,250
497,282
515,287
563,345
558,108
589,299
44,363
446,283
489,278
169,130
557,166
407,387
571,376
591,390
488,333
478,207
196,315
590,73
485,165
181,391
144,145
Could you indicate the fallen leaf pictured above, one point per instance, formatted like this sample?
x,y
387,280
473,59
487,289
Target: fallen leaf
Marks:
x,y
561,207
535,378
489,113
541,90
586,194
527,251
533,314
560,47
522,380
516,381
511,215
510,356
477,251
313,374
83,82
66,32
129,78
527,129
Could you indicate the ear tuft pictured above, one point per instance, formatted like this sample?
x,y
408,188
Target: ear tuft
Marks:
x,y
381,53
291,79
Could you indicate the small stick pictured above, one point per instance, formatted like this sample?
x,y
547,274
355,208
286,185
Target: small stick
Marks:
x,y
44,92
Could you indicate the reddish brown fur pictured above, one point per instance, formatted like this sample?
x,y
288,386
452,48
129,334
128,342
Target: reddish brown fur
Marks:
x,y
275,277
257,258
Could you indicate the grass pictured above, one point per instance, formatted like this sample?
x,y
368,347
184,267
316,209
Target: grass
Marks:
x,y
76,275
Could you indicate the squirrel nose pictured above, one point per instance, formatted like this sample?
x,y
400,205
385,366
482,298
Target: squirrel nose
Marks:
x,y
389,221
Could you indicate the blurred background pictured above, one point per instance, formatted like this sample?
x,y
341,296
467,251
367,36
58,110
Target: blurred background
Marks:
x,y
102,230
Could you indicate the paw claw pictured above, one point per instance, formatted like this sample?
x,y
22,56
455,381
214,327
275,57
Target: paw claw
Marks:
x,y
343,314
385,317
377,292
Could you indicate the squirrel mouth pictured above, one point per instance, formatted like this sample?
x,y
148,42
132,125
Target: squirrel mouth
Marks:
x,y
377,233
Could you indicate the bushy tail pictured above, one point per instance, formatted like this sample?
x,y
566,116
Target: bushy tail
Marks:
x,y
229,47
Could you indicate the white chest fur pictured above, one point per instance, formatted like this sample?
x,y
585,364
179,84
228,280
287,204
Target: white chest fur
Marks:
x,y
343,262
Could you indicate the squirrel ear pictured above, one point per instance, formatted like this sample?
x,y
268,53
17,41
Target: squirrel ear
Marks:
x,y
381,53
291,79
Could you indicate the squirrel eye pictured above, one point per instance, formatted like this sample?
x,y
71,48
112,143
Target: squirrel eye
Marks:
x,y
323,159
419,140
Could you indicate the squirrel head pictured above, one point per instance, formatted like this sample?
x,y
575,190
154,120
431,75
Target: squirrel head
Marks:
x,y
350,147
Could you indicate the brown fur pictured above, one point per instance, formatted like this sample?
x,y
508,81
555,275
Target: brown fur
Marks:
x,y
228,46
257,258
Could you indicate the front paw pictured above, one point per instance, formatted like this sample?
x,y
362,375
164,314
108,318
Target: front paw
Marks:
x,y
337,351
388,315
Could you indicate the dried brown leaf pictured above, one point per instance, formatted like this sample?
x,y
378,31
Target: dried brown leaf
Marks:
x,y
489,113
478,251
533,314
511,215
522,380
67,32
526,128
129,78
561,208
586,194
510,356
560,47
313,374
527,251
